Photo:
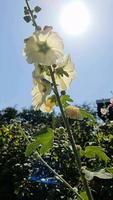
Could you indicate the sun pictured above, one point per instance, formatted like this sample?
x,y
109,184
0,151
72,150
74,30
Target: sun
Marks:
x,y
74,18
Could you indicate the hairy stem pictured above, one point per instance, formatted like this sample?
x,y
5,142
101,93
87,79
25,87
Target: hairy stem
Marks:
x,y
71,138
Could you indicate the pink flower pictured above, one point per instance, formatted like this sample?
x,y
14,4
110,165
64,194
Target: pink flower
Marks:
x,y
111,101
104,111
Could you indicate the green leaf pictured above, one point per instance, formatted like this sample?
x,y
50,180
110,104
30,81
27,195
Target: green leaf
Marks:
x,y
86,114
88,174
109,169
0,133
83,195
43,142
65,73
96,151
102,174
65,99
60,72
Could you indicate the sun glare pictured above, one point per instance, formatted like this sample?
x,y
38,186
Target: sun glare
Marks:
x,y
74,18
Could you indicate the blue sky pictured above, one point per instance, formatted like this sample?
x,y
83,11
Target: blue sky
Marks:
x,y
91,52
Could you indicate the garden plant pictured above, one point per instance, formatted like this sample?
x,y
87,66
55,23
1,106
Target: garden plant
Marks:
x,y
52,75
74,148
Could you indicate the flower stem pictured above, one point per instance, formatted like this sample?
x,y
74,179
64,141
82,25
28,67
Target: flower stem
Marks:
x,y
71,138
63,181
58,176
32,17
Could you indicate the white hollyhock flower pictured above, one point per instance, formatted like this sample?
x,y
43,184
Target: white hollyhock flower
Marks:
x,y
40,92
64,66
68,67
48,105
43,47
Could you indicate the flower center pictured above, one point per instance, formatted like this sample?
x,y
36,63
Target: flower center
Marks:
x,y
43,48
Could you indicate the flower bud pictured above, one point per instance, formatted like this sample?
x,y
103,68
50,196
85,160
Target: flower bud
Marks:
x,y
78,147
72,112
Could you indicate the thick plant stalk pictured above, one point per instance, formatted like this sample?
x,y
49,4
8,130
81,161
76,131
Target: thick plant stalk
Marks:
x,y
71,138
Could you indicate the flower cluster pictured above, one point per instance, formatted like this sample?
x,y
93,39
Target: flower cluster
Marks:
x,y
45,49
105,110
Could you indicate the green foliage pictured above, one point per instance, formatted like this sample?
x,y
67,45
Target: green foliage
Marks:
x,y
83,195
87,115
65,100
60,72
15,166
104,137
42,143
95,151
109,169
8,114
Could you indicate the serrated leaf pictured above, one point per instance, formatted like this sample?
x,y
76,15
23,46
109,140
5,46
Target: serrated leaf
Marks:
x,y
43,142
86,114
83,195
96,151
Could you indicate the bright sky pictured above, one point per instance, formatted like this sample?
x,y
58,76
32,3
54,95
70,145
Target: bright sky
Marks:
x,y
91,52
